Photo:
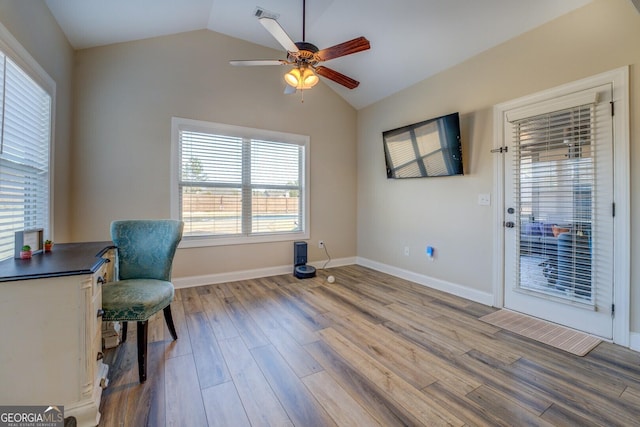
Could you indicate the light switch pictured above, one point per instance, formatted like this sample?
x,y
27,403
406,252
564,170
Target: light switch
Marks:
x,y
484,199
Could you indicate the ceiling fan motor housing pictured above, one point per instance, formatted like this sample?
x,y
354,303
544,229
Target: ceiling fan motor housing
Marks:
x,y
306,53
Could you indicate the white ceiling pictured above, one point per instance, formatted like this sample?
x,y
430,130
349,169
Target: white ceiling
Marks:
x,y
410,39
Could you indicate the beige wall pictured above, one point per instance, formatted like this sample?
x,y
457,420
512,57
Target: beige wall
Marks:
x,y
125,96
31,23
444,212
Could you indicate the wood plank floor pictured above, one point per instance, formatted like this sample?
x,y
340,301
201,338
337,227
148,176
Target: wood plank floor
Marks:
x,y
368,350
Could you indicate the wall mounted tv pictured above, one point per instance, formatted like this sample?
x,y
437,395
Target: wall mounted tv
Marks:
x,y
428,148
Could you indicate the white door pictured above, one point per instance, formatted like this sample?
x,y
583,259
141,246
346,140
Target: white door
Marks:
x,y
558,201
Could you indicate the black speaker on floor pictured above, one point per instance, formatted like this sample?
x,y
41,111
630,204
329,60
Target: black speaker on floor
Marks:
x,y
300,268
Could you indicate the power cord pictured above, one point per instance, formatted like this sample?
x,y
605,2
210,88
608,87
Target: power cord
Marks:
x,y
328,256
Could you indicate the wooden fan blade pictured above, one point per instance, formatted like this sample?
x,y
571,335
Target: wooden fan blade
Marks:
x,y
254,62
278,33
347,48
337,77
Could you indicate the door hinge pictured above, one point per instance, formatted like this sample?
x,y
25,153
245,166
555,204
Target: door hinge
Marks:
x,y
612,109
613,209
500,150
613,310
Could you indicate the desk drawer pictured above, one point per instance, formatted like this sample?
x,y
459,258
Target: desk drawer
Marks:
x,y
99,278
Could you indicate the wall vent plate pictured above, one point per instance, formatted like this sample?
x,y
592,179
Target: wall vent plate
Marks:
x,y
263,13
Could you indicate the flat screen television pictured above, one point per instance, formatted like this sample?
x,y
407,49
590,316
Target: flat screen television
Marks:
x,y
428,148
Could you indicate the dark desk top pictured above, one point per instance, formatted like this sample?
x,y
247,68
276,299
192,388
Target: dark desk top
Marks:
x,y
66,259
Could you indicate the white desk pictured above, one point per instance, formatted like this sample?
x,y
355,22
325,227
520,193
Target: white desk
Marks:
x,y
50,329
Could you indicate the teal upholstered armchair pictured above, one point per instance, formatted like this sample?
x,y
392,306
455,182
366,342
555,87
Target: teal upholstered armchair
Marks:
x,y
145,251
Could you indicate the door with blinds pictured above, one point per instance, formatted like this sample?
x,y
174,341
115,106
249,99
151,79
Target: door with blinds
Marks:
x,y
559,201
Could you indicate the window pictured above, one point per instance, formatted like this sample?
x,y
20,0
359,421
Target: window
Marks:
x,y
556,155
26,94
235,185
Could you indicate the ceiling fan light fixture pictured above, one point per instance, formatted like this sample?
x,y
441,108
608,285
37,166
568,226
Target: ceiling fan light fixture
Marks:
x,y
301,78
305,56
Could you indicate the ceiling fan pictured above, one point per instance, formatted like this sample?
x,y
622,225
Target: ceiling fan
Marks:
x,y
305,56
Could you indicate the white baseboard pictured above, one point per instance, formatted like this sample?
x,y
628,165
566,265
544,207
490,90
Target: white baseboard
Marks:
x,y
430,282
634,341
441,285
232,276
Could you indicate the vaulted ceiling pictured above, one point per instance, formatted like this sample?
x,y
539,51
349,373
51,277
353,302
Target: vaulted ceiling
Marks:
x,y
411,40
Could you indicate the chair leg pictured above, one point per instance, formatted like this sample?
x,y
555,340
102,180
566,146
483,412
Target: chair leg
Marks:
x,y
142,350
169,319
124,331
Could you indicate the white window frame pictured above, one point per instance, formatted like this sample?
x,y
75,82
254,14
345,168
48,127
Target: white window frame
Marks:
x,y
178,124
12,48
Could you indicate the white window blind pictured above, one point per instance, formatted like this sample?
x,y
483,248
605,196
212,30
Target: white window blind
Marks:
x,y
25,140
233,183
556,155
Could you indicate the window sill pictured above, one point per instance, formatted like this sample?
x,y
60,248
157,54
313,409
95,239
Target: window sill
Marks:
x,y
206,241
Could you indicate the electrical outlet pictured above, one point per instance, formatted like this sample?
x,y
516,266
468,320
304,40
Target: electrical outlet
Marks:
x,y
321,244
406,251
